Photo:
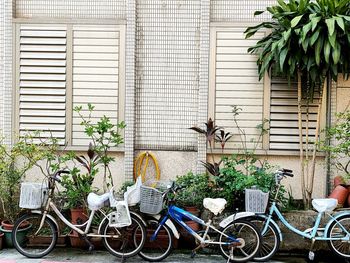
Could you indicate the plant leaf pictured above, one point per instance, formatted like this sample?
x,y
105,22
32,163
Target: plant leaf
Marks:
x,y
327,50
314,37
340,22
283,56
256,13
336,53
330,25
295,21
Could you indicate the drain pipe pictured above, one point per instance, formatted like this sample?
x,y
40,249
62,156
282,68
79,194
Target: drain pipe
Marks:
x,y
328,124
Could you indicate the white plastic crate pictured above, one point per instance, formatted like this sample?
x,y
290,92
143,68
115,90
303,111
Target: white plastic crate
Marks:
x,y
121,216
256,200
33,195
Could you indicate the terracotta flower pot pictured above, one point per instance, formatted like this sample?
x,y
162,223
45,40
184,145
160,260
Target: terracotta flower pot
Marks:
x,y
338,180
6,225
340,193
78,217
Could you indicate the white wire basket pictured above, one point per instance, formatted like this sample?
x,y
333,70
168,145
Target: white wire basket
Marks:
x,y
33,195
121,216
151,200
256,200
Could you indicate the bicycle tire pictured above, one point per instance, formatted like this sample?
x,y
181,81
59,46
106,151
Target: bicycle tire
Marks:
x,y
270,241
244,231
149,252
24,240
122,244
333,229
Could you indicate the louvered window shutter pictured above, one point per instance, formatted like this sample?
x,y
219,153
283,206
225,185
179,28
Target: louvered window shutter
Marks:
x,y
42,80
96,56
237,83
284,132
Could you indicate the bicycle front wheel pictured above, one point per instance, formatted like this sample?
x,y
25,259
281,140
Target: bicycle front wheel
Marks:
x,y
121,241
270,241
336,232
161,247
248,244
31,239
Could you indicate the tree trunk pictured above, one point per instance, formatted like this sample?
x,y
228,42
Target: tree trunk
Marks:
x,y
301,150
317,131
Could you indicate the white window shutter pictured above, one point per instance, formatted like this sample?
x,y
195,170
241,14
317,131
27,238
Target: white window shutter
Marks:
x,y
284,132
237,83
96,56
42,80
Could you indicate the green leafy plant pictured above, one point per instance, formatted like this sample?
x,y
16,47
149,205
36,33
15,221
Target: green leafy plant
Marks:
x,y
233,180
104,134
15,162
78,184
308,41
193,189
339,150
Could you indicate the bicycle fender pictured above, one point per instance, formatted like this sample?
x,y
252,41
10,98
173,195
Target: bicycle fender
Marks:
x,y
49,216
273,222
332,220
228,220
171,225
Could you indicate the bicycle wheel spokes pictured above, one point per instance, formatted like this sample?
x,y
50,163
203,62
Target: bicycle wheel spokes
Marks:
x,y
340,242
248,241
30,239
160,248
270,240
120,241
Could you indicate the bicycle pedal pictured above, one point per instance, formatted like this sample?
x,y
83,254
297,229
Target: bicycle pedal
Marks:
x,y
91,248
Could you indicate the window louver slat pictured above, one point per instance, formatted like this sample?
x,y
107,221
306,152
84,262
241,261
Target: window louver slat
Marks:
x,y
42,81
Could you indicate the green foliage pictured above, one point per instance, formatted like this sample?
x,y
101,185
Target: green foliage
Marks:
x,y
194,188
312,37
234,179
78,184
15,161
104,135
340,134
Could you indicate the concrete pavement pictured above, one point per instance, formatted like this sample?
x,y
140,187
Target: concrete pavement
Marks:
x,y
60,255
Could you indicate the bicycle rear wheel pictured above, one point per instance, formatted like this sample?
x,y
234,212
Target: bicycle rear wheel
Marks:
x,y
32,241
336,232
121,241
249,241
161,247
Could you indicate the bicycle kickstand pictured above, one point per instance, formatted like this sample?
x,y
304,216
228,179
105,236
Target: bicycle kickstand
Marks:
x,y
311,255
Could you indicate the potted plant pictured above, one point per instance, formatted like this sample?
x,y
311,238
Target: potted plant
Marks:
x,y
15,161
78,184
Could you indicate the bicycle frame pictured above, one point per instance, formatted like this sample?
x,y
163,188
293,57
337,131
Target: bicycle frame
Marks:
x,y
178,215
77,228
313,231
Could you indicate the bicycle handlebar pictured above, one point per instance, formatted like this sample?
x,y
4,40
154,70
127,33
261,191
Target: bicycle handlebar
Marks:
x,y
56,176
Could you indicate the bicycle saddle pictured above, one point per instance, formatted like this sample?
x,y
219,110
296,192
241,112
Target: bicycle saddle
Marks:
x,y
325,204
214,205
96,202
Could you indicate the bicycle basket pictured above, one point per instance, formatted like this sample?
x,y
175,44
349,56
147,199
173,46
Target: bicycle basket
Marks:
x,y
151,200
256,200
120,217
33,195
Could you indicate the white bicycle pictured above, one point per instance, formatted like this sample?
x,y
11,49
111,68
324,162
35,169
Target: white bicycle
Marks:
x,y
118,229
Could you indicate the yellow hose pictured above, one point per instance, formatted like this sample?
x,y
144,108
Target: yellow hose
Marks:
x,y
145,156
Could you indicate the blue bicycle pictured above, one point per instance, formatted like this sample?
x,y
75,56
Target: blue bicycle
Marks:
x,y
336,232
238,239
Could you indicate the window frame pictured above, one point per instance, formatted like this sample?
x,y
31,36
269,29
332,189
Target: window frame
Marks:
x,y
69,23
